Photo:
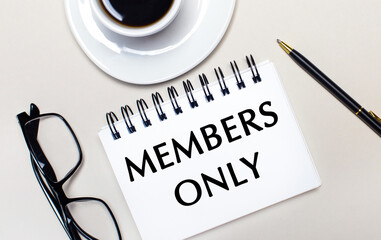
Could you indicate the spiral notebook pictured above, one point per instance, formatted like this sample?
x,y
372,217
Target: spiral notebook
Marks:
x,y
209,155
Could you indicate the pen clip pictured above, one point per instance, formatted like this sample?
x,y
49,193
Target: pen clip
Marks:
x,y
375,116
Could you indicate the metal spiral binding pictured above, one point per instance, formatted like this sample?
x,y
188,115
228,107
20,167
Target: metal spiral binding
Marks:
x,y
253,67
172,92
223,87
204,83
131,128
155,99
240,82
188,87
111,117
142,112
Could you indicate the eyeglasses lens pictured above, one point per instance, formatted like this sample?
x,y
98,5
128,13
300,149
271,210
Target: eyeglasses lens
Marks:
x,y
57,144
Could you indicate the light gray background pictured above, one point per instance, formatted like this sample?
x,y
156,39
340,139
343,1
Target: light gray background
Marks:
x,y
41,62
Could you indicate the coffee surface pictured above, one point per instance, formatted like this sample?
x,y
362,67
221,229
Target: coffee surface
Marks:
x,y
136,13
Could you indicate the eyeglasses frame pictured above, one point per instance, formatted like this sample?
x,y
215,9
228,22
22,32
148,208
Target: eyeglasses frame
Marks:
x,y
43,170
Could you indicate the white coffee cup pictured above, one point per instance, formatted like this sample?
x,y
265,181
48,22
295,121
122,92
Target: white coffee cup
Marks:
x,y
114,26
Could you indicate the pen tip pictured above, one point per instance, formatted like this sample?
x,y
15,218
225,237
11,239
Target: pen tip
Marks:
x,y
285,47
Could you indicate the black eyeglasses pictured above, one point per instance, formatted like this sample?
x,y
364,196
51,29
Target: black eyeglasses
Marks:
x,y
55,156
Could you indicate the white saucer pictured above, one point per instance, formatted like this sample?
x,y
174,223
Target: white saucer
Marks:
x,y
188,40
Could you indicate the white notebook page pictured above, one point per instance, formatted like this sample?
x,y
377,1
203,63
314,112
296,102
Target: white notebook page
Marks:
x,y
178,197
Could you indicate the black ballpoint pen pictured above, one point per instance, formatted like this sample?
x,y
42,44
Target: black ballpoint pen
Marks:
x,y
370,118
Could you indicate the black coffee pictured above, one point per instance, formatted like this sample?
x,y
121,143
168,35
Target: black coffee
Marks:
x,y
136,13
